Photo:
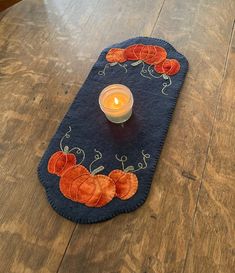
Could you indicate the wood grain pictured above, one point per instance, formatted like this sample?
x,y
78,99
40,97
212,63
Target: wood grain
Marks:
x,y
212,244
36,89
46,51
155,238
45,56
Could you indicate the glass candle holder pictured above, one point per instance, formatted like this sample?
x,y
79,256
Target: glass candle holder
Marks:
x,y
116,101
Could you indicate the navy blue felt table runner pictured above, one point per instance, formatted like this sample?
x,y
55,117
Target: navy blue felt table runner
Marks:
x,y
155,96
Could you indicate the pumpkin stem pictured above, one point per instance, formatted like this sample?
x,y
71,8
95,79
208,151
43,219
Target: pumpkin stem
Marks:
x,y
97,170
129,169
136,63
97,157
66,149
144,165
113,64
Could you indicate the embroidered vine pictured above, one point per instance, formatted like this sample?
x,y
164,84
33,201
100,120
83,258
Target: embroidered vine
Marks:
x,y
155,57
126,180
141,166
97,157
88,187
102,72
66,149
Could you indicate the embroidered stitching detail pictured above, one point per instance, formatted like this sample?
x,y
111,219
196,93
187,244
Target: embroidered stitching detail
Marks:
x,y
125,180
79,184
60,161
151,55
97,157
66,148
86,187
126,184
102,72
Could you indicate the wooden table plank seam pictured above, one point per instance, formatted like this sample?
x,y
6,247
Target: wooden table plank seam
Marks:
x,y
154,26
220,93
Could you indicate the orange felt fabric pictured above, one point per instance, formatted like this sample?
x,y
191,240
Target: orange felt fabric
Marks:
x,y
126,183
59,162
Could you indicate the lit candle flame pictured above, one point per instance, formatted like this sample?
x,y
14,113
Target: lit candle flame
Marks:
x,y
116,101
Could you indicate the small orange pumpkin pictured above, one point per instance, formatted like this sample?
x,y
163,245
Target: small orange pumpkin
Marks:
x,y
126,183
116,55
60,161
156,54
168,67
79,185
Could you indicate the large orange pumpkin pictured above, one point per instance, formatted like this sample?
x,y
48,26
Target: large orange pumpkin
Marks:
x,y
79,185
148,53
126,183
168,67
132,53
60,161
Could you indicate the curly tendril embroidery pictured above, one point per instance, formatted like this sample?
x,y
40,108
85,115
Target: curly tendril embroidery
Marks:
x,y
88,186
153,61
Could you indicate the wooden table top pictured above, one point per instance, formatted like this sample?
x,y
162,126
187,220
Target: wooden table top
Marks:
x,y
187,223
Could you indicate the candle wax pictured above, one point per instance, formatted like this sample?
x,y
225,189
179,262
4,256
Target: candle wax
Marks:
x,y
116,100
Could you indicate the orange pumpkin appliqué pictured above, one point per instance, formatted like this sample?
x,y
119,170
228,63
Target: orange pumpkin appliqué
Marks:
x,y
87,187
168,67
60,161
126,183
148,53
152,59
116,55
79,185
